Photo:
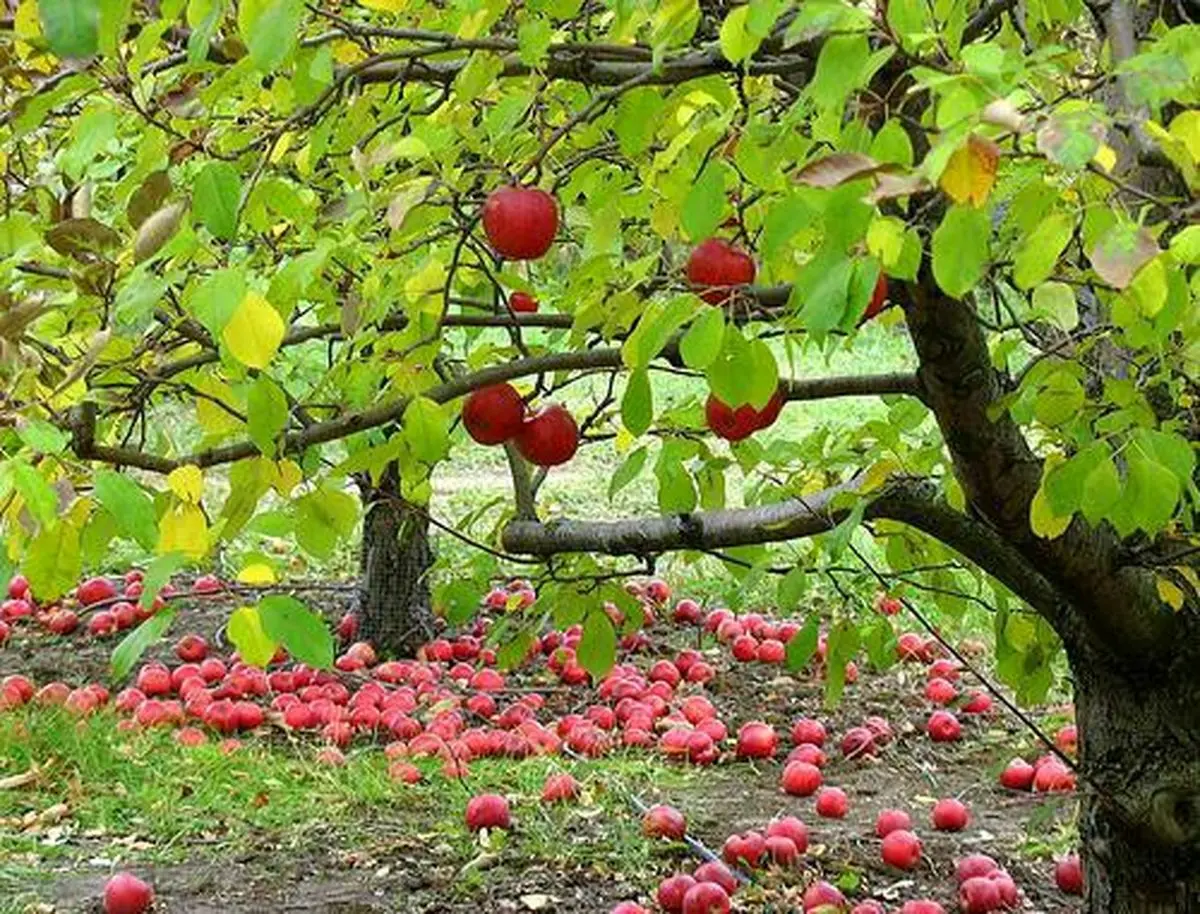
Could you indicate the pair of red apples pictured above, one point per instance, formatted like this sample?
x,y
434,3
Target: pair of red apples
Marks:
x,y
496,414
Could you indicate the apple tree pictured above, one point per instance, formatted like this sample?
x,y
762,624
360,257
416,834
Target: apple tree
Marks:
x,y
257,253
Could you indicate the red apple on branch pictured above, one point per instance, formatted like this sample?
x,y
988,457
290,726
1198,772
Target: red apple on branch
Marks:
x,y
716,267
549,437
520,222
494,414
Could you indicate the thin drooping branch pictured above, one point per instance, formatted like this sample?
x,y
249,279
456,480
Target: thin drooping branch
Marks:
x,y
912,502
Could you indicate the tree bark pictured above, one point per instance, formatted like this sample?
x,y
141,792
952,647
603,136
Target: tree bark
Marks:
x,y
1139,825
394,605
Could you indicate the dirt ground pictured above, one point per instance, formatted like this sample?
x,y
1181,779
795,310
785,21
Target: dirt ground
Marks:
x,y
389,862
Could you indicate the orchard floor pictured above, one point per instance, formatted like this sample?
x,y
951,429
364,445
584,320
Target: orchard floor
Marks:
x,y
268,828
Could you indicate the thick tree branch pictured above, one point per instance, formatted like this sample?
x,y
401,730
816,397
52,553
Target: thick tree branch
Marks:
x,y
912,502
1000,475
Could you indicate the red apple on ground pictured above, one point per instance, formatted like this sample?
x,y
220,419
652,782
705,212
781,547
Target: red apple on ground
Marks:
x,y
901,849
832,803
520,222
943,727
671,892
94,590
493,414
705,898
858,742
950,814
801,779
757,740
890,820
1018,775
663,821
124,893
791,828
488,810
974,865
979,895
807,730
823,894
191,649
718,872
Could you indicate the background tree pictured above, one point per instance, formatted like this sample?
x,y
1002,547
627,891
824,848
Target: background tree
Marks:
x,y
264,219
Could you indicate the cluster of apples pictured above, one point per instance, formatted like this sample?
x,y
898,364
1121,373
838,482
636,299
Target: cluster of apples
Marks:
x,y
497,414
112,605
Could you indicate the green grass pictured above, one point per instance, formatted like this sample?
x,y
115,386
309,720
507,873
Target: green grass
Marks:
x,y
272,794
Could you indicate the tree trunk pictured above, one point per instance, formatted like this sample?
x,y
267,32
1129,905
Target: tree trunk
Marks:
x,y
1140,786
394,606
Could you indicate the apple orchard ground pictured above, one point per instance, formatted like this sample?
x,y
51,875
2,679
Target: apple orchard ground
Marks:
x,y
268,828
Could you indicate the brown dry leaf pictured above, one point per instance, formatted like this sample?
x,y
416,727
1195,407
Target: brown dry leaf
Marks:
x,y
1121,252
834,170
889,187
971,171
1003,113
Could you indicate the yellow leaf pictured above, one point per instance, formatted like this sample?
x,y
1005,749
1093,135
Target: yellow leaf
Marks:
x,y
245,630
183,529
1168,592
1186,128
385,6
347,53
257,573
288,476
212,418
427,280
26,23
624,440
187,482
254,332
878,474
971,171
1042,519
1105,157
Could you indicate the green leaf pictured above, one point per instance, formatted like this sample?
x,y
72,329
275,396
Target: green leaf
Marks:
x,y
130,506
821,292
1064,483
705,203
216,298
838,538
41,501
71,27
839,70
843,644
42,436
302,631
745,371
628,471
637,406
736,43
514,651
792,588
960,250
427,429
158,572
459,600
597,650
1101,491
880,643
112,23
676,492
803,644
270,29
52,561
1039,252
215,200
637,120
134,645
248,634
1061,397
657,325
1056,301
701,344
1186,245
266,414
322,518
